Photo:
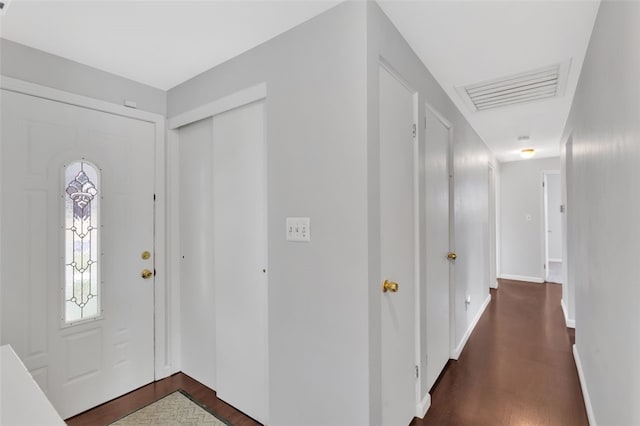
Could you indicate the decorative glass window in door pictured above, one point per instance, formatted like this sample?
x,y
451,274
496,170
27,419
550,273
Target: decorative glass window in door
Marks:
x,y
82,249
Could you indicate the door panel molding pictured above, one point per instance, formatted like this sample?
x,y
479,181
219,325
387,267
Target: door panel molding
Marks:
x,y
165,348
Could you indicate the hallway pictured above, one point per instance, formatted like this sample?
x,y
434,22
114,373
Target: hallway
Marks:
x,y
517,367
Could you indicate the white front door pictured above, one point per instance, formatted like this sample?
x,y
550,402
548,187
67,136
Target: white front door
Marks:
x,y
77,215
437,245
397,239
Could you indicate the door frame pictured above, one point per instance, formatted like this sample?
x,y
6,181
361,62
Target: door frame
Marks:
x,y
566,198
544,222
493,240
164,312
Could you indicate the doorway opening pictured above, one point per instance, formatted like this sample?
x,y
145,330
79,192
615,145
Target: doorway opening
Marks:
x,y
552,201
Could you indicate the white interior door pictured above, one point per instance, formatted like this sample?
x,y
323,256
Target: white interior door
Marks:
x,y
437,245
197,319
57,159
239,258
397,239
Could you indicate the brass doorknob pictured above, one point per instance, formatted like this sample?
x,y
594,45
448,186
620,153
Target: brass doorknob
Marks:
x,y
452,256
146,274
389,286
145,255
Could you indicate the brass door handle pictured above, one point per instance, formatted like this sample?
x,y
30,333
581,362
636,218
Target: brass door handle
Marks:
x,y
452,256
146,274
389,286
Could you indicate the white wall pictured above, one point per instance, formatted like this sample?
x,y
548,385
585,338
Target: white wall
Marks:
x,y
470,162
35,66
554,217
316,156
522,220
606,206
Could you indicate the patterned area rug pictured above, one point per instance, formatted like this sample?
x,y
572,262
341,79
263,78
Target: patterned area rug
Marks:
x,y
174,409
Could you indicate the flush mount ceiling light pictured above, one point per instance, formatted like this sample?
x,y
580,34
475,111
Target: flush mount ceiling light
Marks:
x,y
527,153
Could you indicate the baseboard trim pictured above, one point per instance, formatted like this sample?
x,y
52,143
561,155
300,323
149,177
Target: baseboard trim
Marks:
x,y
569,322
522,278
456,354
423,406
583,384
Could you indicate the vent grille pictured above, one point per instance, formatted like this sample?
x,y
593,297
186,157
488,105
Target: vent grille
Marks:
x,y
535,85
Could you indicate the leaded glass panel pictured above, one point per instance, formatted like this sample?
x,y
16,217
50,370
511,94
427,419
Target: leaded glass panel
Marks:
x,y
82,233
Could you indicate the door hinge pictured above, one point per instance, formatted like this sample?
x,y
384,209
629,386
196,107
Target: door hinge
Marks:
x,y
544,266
154,197
413,132
417,372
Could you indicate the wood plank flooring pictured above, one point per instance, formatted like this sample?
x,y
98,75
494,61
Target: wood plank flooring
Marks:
x,y
517,367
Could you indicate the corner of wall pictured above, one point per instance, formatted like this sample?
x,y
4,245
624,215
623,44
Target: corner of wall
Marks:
x,y
571,323
583,385
460,347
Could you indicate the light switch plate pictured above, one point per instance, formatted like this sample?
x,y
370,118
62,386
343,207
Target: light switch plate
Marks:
x,y
299,229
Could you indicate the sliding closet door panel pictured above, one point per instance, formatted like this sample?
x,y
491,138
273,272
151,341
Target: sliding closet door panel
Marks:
x,y
196,296
239,258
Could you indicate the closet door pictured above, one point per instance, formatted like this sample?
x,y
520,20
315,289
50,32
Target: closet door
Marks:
x,y
239,258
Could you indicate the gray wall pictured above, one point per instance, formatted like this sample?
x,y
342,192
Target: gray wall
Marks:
x,y
604,184
521,194
35,66
316,154
471,157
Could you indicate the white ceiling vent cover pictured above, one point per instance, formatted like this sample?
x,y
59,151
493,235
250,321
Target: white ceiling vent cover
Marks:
x,y
543,83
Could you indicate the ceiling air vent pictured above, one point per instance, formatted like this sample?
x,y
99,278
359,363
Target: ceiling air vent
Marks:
x,y
543,83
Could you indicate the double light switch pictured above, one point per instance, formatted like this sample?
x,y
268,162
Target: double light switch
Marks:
x,y
298,229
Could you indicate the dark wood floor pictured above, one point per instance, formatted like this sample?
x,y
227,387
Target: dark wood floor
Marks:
x,y
120,407
517,367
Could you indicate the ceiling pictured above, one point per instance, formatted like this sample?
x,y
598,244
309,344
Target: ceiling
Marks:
x,y
462,43
161,43
165,42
